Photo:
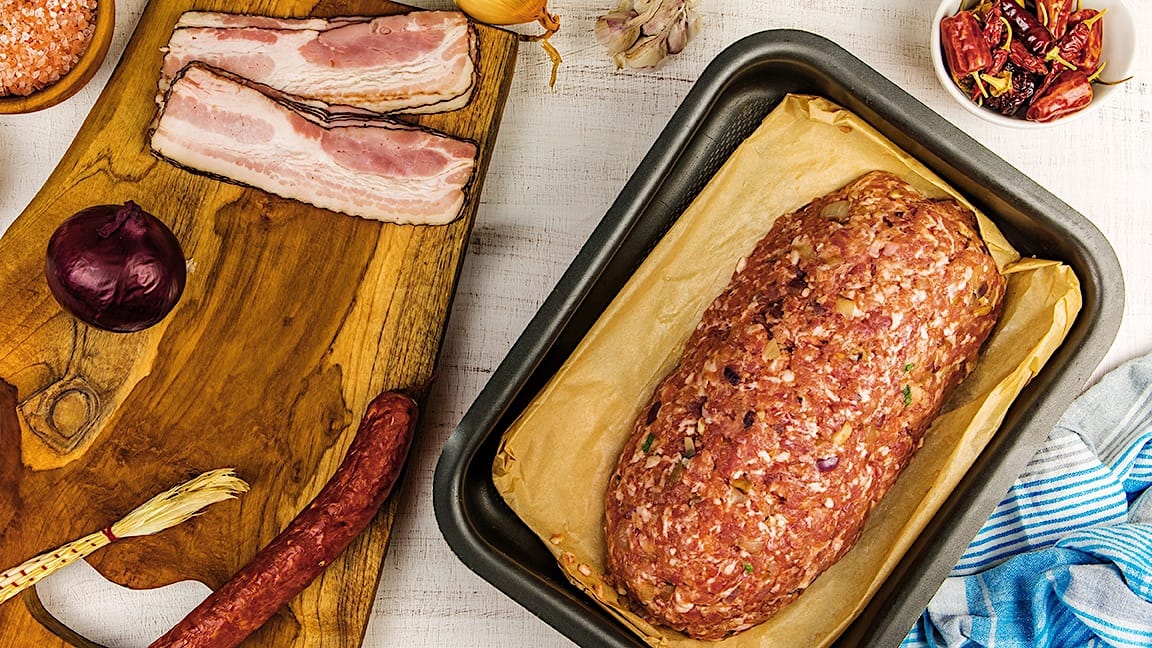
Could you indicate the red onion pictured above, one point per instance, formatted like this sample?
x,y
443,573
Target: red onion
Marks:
x,y
115,267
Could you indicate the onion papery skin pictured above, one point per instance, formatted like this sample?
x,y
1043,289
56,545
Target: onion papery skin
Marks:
x,y
505,12
116,267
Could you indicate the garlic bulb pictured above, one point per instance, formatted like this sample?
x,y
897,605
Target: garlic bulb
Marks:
x,y
641,33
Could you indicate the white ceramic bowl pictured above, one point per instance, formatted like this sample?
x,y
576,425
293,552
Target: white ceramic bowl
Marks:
x,y
1119,50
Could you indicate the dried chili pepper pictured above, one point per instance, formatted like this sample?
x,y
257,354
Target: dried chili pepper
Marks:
x,y
1080,15
1046,80
1068,93
1022,58
1023,87
999,59
1026,27
975,90
998,84
965,49
994,26
1095,47
1055,15
1071,46
998,35
1085,40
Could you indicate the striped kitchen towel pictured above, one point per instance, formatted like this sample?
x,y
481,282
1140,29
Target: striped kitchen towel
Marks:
x,y
1066,557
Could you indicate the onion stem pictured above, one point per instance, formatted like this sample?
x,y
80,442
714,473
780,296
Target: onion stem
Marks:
x,y
551,25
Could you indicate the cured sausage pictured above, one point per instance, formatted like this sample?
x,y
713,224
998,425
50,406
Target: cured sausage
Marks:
x,y
320,533
798,399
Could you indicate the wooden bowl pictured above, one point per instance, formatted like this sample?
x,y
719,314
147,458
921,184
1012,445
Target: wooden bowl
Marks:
x,y
80,74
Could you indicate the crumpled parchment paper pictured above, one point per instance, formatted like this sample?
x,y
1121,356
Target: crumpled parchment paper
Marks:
x,y
554,462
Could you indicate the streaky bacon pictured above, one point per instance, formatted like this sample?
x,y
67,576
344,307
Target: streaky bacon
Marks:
x,y
418,62
227,20
219,124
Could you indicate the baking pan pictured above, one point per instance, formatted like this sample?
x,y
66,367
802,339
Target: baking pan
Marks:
x,y
742,85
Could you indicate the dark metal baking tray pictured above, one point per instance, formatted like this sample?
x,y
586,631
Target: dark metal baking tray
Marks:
x,y
731,97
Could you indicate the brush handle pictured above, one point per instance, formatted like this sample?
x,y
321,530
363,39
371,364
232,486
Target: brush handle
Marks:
x,y
32,571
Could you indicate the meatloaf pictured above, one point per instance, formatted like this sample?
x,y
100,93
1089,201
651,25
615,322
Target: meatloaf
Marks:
x,y
799,398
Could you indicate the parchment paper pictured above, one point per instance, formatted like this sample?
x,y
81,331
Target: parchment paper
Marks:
x,y
554,462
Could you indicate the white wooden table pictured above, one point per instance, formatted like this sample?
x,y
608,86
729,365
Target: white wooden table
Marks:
x,y
561,157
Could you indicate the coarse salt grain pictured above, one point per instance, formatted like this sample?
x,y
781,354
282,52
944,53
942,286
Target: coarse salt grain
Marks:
x,y
41,40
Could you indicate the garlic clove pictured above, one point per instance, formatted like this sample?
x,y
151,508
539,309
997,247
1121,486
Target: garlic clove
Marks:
x,y
693,20
648,52
646,12
641,6
621,18
678,36
620,41
616,32
661,20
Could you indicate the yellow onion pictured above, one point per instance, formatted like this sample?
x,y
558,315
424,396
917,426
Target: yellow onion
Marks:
x,y
516,12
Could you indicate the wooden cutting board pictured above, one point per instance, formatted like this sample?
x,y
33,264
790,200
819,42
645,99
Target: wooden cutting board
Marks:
x,y
292,320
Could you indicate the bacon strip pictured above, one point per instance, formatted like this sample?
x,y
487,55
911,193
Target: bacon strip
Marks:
x,y
418,62
216,123
230,20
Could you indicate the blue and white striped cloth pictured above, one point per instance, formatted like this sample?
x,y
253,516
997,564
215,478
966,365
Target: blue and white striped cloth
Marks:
x,y
1065,560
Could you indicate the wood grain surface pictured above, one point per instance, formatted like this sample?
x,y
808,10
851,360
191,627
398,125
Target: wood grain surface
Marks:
x,y
292,320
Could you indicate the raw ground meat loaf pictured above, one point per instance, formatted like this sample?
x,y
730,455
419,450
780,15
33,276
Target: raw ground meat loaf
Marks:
x,y
799,398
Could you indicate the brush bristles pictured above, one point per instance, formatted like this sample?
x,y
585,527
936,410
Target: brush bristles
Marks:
x,y
180,503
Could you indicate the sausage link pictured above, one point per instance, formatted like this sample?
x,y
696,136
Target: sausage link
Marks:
x,y
320,533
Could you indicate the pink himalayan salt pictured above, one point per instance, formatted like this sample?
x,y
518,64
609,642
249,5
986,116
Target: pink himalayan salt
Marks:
x,y
41,40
